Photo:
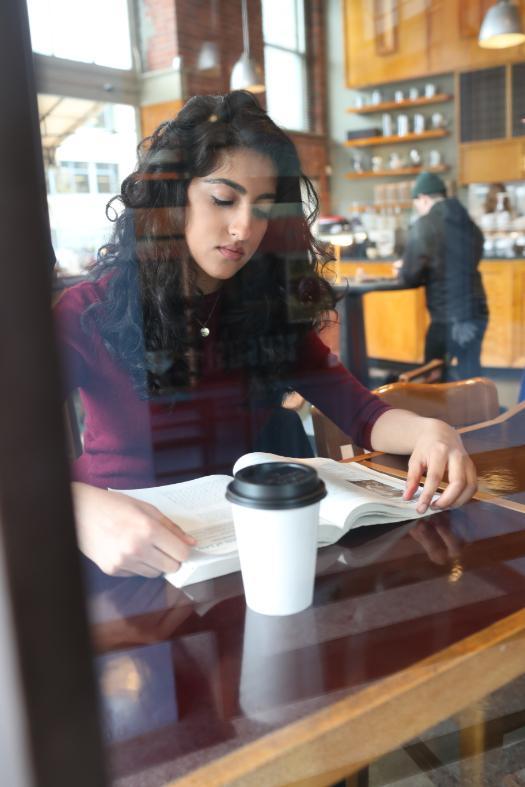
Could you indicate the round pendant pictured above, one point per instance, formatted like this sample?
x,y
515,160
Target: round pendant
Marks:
x,y
205,331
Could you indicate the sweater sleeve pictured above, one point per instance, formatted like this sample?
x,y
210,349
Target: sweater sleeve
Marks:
x,y
326,383
71,338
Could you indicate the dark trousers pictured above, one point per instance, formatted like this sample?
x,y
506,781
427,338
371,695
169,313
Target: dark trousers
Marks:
x,y
439,344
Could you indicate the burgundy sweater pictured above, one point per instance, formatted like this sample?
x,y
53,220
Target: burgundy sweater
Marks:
x,y
131,442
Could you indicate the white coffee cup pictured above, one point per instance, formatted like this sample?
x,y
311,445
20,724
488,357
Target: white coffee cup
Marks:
x,y
275,508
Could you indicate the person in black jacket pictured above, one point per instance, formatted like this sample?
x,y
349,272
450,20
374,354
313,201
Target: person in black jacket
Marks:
x,y
443,251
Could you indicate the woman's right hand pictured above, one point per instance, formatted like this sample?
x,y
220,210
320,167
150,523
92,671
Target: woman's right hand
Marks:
x,y
126,536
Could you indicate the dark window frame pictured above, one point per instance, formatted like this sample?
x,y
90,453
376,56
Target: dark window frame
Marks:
x,y
41,563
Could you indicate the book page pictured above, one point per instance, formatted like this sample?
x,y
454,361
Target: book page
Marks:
x,y
350,486
199,507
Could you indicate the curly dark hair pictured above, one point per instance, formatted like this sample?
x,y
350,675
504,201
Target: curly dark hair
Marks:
x,y
147,318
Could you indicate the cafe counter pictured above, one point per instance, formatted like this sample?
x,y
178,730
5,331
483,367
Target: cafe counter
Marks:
x,y
396,321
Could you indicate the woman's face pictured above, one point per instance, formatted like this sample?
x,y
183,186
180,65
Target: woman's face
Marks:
x,y
228,213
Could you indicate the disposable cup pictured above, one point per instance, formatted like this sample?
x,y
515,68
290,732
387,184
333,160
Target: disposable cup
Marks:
x,y
275,508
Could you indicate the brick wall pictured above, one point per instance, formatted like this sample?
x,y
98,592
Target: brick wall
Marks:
x,y
158,33
195,25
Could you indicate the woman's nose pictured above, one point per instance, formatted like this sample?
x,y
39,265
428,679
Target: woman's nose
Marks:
x,y
241,224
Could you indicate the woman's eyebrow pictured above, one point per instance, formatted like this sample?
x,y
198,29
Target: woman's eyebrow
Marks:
x,y
237,187
231,183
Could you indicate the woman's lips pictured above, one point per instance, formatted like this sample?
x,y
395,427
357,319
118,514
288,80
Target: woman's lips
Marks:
x,y
230,253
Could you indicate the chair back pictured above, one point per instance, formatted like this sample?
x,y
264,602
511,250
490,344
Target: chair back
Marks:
x,y
431,372
459,403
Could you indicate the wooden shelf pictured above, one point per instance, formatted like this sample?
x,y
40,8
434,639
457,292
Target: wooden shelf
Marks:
x,y
385,106
393,173
396,139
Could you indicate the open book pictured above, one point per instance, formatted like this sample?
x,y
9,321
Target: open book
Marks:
x,y
357,496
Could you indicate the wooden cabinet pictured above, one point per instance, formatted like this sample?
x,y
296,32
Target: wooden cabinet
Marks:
x,y
504,342
494,161
453,40
396,322
391,40
491,134
385,40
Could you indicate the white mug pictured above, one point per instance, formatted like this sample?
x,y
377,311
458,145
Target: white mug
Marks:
x,y
402,125
419,123
438,121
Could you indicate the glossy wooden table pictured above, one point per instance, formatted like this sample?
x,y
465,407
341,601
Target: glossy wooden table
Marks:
x,y
411,624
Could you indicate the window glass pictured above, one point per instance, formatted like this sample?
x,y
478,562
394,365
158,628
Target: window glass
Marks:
x,y
88,149
283,23
286,97
285,53
194,327
95,32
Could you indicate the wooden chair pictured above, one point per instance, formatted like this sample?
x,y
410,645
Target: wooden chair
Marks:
x,y
459,404
431,372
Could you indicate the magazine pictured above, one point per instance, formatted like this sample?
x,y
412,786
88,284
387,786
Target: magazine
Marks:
x,y
357,496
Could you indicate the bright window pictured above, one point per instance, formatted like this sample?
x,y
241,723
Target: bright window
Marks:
x,y
95,32
88,148
285,62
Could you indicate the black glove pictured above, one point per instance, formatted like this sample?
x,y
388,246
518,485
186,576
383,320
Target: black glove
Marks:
x,y
463,332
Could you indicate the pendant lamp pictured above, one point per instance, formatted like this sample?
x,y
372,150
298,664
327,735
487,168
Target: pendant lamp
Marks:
x,y
246,74
501,26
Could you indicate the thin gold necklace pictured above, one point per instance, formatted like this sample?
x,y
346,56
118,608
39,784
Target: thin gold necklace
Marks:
x,y
204,330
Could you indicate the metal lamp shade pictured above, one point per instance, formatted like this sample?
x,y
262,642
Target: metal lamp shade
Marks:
x,y
501,27
247,75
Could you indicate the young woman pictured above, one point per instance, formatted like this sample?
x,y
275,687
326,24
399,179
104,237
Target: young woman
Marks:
x,y
199,318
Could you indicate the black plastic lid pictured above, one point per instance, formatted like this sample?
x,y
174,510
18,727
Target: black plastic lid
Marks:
x,y
274,485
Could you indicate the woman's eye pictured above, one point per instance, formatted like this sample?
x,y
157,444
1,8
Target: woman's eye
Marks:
x,y
222,203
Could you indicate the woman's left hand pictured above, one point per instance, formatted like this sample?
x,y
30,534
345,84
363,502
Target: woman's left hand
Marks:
x,y
434,448
438,449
